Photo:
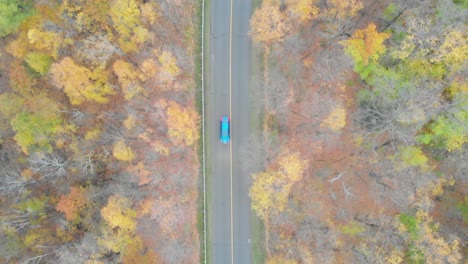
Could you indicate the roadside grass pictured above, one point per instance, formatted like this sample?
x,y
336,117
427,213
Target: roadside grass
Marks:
x,y
256,3
257,118
198,98
258,240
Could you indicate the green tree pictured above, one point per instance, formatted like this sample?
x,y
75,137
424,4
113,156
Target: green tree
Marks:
x,y
448,132
40,62
12,13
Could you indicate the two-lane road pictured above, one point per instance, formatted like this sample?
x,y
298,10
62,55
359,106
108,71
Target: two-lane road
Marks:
x,y
228,92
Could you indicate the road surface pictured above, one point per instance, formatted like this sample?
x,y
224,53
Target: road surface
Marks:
x,y
227,94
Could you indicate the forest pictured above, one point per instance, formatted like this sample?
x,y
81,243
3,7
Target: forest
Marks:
x,y
98,131
361,153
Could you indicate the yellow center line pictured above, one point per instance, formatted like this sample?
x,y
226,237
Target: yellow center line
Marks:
x,y
230,145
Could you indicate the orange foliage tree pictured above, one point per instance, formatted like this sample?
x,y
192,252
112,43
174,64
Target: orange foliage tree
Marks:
x,y
72,203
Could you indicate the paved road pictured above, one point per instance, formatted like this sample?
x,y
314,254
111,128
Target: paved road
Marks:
x,y
228,92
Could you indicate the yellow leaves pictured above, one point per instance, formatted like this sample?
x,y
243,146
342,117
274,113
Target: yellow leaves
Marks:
x,y
121,224
268,25
261,193
128,78
292,166
278,259
304,10
118,213
160,148
454,51
148,12
270,189
80,83
366,45
149,69
126,17
93,134
342,9
122,152
336,120
168,64
182,124
46,41
413,156
130,122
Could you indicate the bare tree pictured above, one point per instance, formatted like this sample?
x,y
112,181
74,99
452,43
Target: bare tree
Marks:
x,y
397,117
12,181
50,166
87,164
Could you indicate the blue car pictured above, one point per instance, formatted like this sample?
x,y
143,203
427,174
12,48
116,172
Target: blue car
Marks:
x,y
225,129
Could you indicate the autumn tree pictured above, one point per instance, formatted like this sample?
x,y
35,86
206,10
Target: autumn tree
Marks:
x,y
39,62
342,9
12,13
424,244
72,203
120,225
168,69
123,152
268,25
125,15
336,120
270,189
302,10
38,123
80,83
182,124
365,46
129,78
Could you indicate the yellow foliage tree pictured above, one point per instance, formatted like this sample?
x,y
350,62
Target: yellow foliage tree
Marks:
x,y
182,124
118,213
366,45
168,65
122,151
304,10
454,50
148,68
128,78
120,228
270,189
336,120
80,83
148,12
268,25
125,15
46,41
342,9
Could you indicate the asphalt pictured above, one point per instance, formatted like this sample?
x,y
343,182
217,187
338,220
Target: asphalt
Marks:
x,y
228,94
